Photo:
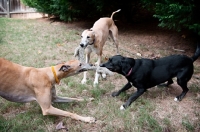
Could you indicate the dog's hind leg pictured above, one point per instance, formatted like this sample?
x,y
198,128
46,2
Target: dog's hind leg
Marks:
x,y
169,82
114,35
182,78
183,84
44,100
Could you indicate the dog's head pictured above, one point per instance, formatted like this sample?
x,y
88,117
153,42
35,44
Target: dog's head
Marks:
x,y
119,64
87,38
72,67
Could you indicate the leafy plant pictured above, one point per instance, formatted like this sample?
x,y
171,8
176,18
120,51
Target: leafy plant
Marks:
x,y
176,14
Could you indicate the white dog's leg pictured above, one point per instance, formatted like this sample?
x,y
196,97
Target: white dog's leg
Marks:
x,y
87,59
96,80
84,80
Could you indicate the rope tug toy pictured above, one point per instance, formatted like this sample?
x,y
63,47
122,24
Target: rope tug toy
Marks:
x,y
79,54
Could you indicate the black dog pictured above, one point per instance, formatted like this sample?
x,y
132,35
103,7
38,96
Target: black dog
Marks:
x,y
147,73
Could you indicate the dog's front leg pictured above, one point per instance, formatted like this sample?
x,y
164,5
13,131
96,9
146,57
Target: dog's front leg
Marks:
x,y
55,111
87,60
96,80
126,87
133,97
98,61
44,100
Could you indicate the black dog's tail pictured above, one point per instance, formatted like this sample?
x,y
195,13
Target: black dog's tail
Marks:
x,y
197,53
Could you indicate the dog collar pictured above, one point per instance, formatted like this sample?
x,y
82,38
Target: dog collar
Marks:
x,y
55,76
129,73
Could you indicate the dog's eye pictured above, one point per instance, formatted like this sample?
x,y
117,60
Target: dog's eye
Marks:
x,y
88,36
80,64
81,36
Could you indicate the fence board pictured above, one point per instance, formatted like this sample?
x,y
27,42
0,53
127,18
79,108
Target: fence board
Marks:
x,y
14,7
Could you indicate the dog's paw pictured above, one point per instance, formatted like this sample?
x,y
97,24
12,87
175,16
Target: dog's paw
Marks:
x,y
103,75
96,63
83,81
176,99
90,99
89,119
122,107
95,83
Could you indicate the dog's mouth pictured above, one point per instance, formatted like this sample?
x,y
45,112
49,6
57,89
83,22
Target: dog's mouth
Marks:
x,y
83,45
82,70
111,69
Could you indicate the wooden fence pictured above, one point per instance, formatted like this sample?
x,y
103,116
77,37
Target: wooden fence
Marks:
x,y
9,7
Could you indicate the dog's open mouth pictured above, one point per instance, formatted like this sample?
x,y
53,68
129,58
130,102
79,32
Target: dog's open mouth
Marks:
x,y
82,70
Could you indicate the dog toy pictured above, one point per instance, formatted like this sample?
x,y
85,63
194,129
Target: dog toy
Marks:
x,y
79,54
101,70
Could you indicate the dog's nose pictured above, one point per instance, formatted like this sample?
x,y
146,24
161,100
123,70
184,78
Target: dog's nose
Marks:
x,y
81,45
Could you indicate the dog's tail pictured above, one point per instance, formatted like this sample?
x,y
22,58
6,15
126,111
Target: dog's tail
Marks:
x,y
197,53
114,13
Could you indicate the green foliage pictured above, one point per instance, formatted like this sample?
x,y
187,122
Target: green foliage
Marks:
x,y
172,14
176,14
67,10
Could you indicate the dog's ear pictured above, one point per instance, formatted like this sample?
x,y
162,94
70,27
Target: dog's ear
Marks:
x,y
93,33
64,68
126,64
123,67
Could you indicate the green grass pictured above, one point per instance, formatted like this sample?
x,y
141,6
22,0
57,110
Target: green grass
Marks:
x,y
39,43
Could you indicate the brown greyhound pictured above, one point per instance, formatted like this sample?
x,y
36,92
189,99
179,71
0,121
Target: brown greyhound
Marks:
x,y
24,84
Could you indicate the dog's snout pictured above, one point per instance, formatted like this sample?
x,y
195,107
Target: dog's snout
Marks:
x,y
81,44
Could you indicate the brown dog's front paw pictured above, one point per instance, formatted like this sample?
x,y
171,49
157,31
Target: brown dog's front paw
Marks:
x,y
90,99
90,119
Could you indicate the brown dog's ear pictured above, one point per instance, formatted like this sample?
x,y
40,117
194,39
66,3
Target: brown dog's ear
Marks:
x,y
64,68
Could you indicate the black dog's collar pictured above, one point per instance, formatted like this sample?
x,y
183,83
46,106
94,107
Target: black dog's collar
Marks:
x,y
129,73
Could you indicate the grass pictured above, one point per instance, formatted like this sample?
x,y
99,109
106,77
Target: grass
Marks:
x,y
39,43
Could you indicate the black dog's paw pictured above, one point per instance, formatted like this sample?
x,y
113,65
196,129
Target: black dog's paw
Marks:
x,y
122,107
115,94
178,98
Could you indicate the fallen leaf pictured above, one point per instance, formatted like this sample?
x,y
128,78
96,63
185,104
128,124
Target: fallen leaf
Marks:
x,y
60,126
